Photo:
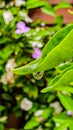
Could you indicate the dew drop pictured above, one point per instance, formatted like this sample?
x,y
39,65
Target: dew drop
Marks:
x,y
38,75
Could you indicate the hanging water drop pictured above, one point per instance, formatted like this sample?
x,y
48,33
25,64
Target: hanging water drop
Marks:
x,y
38,75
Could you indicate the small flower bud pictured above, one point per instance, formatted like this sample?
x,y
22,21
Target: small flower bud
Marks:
x,y
69,113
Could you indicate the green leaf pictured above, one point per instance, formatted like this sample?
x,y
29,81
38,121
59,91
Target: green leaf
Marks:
x,y
2,108
54,53
63,126
48,10
56,39
6,52
63,4
6,96
62,67
35,4
65,88
61,118
32,123
71,125
59,20
59,54
31,1
14,10
1,127
47,113
63,78
66,78
32,65
66,101
4,40
31,91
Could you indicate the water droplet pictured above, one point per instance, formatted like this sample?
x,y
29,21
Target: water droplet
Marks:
x,y
38,75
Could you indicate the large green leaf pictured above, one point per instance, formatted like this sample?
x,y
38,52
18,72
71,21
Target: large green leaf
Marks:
x,y
59,54
56,39
54,53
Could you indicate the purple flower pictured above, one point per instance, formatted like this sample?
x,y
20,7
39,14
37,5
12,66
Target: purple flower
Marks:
x,y
69,113
21,28
37,53
21,25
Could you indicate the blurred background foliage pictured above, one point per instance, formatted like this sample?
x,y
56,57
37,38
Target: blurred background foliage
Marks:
x,y
21,41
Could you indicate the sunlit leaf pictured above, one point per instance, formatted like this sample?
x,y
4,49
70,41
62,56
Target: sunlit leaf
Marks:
x,y
54,53
66,101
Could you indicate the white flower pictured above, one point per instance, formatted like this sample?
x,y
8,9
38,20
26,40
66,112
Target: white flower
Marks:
x,y
38,113
8,16
61,64
57,124
40,45
26,104
19,2
26,17
2,119
64,92
38,38
2,4
37,29
28,34
10,64
36,44
7,77
4,78
56,105
33,80
22,14
33,43
10,77
11,3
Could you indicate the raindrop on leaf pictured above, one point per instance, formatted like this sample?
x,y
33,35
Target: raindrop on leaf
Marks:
x,y
38,75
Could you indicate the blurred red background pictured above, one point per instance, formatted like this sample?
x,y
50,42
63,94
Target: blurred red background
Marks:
x,y
37,14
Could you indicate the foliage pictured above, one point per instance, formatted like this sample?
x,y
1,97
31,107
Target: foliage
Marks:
x,y
21,41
